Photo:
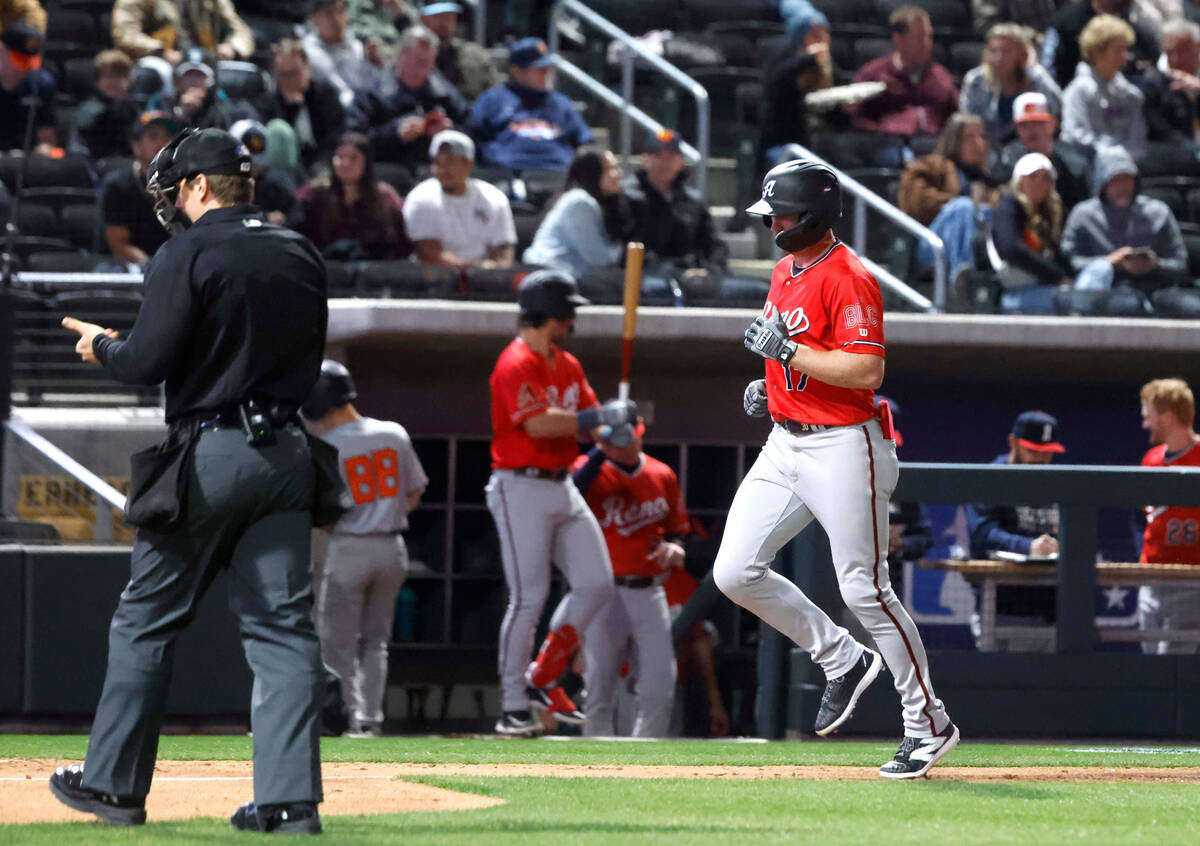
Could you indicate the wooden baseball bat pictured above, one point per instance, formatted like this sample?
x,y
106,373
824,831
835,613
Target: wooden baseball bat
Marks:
x,y
635,251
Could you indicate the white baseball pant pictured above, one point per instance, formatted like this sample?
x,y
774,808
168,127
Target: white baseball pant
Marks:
x,y
363,575
641,614
543,521
842,477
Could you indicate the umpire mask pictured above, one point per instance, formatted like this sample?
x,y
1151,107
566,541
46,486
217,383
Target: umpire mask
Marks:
x,y
804,188
188,154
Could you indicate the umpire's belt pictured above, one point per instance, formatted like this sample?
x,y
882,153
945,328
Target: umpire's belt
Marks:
x,y
795,427
636,581
541,473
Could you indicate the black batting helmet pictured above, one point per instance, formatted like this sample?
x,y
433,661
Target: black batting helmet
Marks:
x,y
805,188
334,388
550,292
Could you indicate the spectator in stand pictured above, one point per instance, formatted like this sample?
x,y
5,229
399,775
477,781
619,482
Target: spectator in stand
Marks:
x,y
1101,107
1171,535
1126,238
100,124
198,102
349,214
585,226
455,220
803,64
673,221
169,28
379,24
1062,42
302,106
1038,15
422,104
524,123
21,78
337,56
131,230
273,193
920,95
28,12
1008,70
466,65
950,191
1035,127
1027,232
1170,110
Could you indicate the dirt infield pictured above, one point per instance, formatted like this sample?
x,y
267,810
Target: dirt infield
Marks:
x,y
189,789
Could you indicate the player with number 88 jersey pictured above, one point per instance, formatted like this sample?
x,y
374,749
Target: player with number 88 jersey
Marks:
x,y
366,561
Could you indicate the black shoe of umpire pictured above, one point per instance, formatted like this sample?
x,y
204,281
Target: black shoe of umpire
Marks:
x,y
67,786
290,818
841,694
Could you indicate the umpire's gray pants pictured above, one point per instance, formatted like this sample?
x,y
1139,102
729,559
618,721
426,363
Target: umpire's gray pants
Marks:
x,y
542,521
247,511
363,574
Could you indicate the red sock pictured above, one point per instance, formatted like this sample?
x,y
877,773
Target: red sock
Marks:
x,y
553,656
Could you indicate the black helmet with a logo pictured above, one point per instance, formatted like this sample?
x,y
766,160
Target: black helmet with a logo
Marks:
x,y
805,188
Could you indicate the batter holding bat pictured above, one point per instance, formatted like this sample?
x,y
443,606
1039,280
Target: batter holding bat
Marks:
x,y
830,457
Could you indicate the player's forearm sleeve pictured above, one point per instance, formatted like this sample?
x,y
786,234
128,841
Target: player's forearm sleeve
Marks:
x,y
589,471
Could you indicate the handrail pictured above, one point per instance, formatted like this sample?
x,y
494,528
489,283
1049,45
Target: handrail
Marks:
x,y
39,277
479,35
628,112
90,480
863,194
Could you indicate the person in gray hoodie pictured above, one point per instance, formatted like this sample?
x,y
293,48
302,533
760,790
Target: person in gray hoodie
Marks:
x,y
1120,237
1100,106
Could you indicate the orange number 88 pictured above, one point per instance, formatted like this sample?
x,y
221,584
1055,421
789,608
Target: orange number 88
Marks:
x,y
376,477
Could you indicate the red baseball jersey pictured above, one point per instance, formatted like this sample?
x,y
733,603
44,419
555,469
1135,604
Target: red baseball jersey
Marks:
x,y
635,511
524,384
833,304
1172,533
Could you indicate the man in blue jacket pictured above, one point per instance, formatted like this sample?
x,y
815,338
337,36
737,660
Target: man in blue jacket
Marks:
x,y
524,123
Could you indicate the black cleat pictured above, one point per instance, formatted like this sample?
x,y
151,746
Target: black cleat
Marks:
x,y
287,818
841,694
517,724
917,755
67,786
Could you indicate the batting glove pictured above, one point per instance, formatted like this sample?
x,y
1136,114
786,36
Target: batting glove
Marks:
x,y
769,338
621,436
613,413
754,400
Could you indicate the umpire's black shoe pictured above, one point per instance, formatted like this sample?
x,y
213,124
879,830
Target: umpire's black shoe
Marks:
x,y
917,755
290,818
517,724
841,694
67,786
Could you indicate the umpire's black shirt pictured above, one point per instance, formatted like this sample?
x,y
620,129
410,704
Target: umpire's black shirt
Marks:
x,y
234,309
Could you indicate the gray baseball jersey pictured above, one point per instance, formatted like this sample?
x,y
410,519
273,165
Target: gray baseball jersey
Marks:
x,y
380,468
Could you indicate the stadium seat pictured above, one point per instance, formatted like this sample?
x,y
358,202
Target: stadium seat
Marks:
x,y
1172,191
37,220
77,79
850,11
406,279
639,18
540,185
71,26
1181,302
149,78
68,172
1191,240
526,219
243,80
33,325
60,197
704,13
396,175
496,283
23,246
63,262
965,55
82,225
722,85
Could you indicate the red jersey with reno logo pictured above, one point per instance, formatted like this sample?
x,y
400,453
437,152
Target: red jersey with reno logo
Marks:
x,y
524,385
635,510
833,304
1172,533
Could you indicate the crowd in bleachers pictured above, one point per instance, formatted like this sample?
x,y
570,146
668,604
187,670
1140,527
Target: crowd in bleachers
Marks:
x,y
384,135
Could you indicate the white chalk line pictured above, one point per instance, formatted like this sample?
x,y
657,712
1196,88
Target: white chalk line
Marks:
x,y
225,778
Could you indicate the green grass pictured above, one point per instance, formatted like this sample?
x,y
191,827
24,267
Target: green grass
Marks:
x,y
560,812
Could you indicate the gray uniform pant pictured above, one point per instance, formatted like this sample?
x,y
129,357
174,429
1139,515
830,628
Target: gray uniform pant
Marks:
x,y
540,521
640,614
363,574
1172,607
247,511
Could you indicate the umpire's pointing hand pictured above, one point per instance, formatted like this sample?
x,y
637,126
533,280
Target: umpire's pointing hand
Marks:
x,y
87,334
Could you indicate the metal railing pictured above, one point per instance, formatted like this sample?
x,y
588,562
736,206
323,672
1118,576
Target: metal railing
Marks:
x,y
863,197
51,278
108,498
624,103
479,21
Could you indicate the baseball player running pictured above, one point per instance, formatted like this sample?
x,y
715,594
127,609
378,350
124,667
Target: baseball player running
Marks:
x,y
541,404
366,561
829,457
637,501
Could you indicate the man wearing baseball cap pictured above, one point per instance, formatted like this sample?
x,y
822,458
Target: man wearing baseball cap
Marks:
x,y
524,123
233,319
1036,127
132,231
22,77
466,65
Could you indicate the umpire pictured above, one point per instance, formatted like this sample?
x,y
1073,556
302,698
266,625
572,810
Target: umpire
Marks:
x,y
233,320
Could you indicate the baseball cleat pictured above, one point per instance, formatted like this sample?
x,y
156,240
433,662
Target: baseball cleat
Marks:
x,y
517,724
841,694
917,755
67,786
293,818
554,700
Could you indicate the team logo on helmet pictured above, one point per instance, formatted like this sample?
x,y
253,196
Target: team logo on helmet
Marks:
x,y
769,189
